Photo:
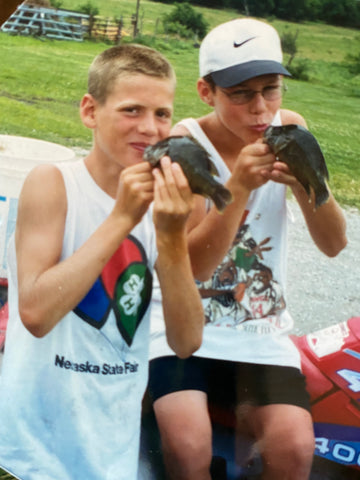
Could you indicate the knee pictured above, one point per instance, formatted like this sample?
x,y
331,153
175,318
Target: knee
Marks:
x,y
300,449
188,449
292,456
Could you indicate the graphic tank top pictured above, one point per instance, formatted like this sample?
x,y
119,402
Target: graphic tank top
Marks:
x,y
244,301
70,402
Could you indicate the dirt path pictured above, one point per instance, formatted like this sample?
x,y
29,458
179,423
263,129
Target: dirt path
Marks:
x,y
322,291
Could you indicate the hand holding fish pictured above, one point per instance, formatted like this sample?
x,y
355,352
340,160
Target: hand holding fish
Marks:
x,y
281,173
173,198
299,149
252,167
134,194
196,164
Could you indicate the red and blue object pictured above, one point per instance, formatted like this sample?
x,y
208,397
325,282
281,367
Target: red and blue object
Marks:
x,y
331,363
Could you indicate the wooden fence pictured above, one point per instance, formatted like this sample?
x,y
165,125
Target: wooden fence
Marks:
x,y
62,24
48,22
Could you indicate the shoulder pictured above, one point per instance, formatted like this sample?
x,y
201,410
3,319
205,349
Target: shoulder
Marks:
x,y
43,188
188,125
44,178
179,129
289,117
44,172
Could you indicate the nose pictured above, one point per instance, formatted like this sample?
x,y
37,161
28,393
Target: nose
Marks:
x,y
147,125
258,102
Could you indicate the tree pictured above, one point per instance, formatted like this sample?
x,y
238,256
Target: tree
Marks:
x,y
345,13
289,46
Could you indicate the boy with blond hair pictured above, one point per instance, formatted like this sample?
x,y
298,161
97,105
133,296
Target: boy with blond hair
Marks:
x,y
80,281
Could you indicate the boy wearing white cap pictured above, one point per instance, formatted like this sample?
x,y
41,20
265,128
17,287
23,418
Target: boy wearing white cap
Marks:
x,y
247,358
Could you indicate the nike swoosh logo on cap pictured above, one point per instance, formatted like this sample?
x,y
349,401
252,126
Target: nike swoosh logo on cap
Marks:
x,y
237,45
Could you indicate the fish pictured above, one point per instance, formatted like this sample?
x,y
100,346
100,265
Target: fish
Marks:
x,y
196,164
299,149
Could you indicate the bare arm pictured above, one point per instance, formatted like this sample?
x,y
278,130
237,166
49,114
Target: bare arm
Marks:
x,y
181,301
50,288
326,225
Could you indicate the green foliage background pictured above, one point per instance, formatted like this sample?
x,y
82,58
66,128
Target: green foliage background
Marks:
x,y
42,82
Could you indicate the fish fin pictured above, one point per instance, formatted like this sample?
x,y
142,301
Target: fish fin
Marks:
x,y
325,171
212,168
306,185
321,196
221,198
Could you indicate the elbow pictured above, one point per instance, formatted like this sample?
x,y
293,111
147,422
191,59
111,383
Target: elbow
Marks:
x,y
31,320
203,274
203,277
334,249
188,345
186,351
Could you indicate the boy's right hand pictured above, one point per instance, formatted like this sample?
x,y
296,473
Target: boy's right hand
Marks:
x,y
252,167
135,192
173,197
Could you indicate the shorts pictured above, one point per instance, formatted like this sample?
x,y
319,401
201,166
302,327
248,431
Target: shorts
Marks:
x,y
229,383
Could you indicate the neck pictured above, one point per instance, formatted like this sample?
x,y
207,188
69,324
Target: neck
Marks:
x,y
226,143
106,176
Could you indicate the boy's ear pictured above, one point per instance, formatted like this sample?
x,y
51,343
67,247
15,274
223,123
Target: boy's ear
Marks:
x,y
87,110
205,92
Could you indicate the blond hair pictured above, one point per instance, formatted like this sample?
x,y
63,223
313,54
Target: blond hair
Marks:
x,y
129,59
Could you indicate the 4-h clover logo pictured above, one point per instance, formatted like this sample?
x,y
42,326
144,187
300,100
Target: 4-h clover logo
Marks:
x,y
124,287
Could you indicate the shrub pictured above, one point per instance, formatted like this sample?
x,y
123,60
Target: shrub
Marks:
x,y
185,21
299,69
56,3
89,9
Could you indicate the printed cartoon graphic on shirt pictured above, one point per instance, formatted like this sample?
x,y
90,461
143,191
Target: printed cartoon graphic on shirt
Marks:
x,y
123,287
242,287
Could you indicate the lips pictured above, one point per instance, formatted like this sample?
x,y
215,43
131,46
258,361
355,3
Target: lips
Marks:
x,y
259,128
139,146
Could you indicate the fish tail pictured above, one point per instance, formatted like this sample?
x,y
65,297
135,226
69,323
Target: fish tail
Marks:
x,y
221,198
321,196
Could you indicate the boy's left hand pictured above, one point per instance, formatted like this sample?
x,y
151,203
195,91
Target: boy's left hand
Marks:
x,y
173,199
281,173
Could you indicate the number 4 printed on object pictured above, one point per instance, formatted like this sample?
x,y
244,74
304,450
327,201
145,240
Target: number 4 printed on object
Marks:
x,y
352,377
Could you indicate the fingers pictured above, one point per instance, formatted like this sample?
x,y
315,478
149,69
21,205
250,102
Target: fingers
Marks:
x,y
171,183
135,192
281,173
252,166
173,199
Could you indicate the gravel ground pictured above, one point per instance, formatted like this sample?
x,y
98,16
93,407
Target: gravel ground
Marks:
x,y
322,291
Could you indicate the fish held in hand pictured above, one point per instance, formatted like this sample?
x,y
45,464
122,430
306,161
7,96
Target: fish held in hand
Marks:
x,y
299,149
196,165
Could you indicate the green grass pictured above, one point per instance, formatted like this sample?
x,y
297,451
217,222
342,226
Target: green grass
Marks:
x,y
42,82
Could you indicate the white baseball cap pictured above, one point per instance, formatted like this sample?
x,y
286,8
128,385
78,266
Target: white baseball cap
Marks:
x,y
236,51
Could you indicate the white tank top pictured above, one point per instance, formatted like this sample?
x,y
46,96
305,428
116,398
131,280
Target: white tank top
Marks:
x,y
70,402
244,301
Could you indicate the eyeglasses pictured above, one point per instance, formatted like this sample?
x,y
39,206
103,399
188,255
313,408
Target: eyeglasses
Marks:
x,y
245,95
